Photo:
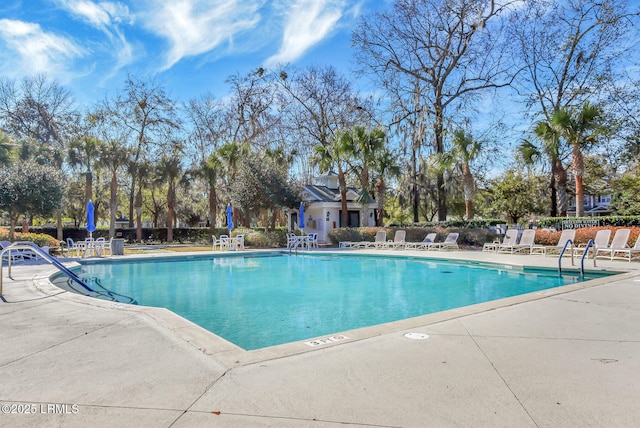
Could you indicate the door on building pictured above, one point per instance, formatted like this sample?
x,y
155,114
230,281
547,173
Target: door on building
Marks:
x,y
353,217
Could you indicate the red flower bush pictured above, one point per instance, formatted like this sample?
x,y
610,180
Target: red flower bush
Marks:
x,y
583,235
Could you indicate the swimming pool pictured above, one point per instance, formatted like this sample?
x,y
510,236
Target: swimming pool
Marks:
x,y
260,301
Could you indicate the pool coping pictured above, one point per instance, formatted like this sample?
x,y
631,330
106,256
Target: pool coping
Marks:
x,y
232,355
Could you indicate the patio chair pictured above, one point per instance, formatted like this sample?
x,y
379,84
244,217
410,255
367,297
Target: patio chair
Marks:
x,y
451,241
526,243
429,239
216,243
102,246
510,238
627,253
398,240
72,248
225,243
239,243
565,236
313,240
601,240
618,244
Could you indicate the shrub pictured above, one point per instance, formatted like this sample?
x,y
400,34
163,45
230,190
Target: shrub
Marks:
x,y
583,235
39,239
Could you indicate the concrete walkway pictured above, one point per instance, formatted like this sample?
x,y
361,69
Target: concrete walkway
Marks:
x,y
565,358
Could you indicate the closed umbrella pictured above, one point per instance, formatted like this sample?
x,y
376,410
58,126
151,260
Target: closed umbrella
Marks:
x,y
91,222
229,218
301,214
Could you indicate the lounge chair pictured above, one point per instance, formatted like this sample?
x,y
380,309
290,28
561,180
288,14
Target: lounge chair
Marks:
x,y
510,238
618,244
526,243
398,240
16,255
601,240
565,236
451,241
379,242
429,239
627,253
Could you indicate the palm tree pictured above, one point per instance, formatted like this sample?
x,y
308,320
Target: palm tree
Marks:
x,y
362,146
84,152
210,168
331,156
576,127
169,170
466,149
384,164
550,139
230,154
113,155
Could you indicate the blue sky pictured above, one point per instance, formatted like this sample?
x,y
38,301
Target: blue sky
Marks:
x,y
191,46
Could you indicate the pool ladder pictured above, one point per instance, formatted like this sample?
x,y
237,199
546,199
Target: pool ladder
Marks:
x,y
25,245
584,254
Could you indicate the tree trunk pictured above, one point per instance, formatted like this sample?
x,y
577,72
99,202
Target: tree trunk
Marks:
x,y
171,196
439,149
561,187
468,191
213,203
578,170
553,212
379,194
138,206
343,196
415,195
113,204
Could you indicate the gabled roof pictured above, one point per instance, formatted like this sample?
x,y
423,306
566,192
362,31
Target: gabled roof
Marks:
x,y
325,194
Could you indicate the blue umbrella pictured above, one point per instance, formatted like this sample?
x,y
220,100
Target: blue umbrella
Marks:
x,y
229,218
91,222
301,214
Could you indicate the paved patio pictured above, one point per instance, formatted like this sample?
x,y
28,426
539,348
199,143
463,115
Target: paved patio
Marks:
x,y
564,358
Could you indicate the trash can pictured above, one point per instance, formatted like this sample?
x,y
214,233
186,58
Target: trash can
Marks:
x,y
117,247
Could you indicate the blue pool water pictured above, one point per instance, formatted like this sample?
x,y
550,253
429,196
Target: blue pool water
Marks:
x,y
257,302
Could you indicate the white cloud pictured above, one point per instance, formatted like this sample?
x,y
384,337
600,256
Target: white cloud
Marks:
x,y
194,27
38,51
307,23
106,17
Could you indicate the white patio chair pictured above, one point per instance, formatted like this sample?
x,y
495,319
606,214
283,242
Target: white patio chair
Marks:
x,y
451,241
601,240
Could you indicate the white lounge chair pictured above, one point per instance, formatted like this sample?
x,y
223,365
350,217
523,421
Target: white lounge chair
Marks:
x,y
601,240
429,239
565,236
627,253
451,241
379,241
526,243
398,241
618,244
510,238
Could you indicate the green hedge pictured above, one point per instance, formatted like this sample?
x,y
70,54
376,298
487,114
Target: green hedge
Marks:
x,y
258,238
469,237
458,224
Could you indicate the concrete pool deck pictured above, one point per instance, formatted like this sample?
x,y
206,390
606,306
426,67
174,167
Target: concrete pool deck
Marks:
x,y
565,358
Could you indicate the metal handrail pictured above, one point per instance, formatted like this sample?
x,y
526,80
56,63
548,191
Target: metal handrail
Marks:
x,y
26,245
569,241
586,251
